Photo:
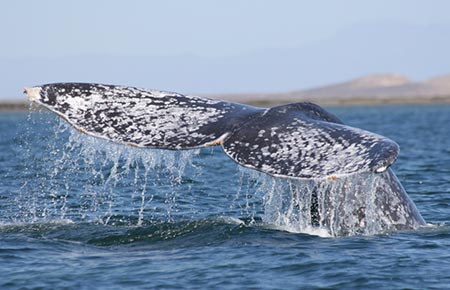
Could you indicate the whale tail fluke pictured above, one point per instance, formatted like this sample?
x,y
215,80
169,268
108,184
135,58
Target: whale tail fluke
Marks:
x,y
299,140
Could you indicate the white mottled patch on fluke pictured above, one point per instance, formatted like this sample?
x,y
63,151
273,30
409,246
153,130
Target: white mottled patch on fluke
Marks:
x,y
33,93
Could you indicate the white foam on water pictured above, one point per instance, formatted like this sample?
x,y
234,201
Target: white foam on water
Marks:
x,y
231,220
49,222
312,231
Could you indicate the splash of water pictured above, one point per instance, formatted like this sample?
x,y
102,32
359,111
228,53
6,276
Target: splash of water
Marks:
x,y
73,176
364,204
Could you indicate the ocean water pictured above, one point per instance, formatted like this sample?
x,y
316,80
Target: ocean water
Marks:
x,y
81,213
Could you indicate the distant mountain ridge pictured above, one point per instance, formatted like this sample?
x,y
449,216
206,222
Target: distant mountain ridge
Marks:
x,y
376,88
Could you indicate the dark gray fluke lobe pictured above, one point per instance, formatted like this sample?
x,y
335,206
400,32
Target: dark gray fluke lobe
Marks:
x,y
299,140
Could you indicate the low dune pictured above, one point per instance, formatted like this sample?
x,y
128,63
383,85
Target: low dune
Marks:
x,y
372,89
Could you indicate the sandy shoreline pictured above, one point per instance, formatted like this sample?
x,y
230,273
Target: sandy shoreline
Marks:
x,y
21,106
364,101
14,106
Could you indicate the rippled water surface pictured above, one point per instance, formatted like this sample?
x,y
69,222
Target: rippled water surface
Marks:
x,y
81,213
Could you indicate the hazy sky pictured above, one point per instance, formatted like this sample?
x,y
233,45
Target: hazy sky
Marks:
x,y
219,46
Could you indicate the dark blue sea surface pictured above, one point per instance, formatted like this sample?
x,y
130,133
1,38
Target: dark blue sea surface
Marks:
x,y
82,213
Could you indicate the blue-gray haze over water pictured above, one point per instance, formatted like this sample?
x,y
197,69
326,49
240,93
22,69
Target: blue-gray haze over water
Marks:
x,y
81,213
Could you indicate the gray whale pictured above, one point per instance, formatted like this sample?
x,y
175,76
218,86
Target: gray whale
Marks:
x,y
299,141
